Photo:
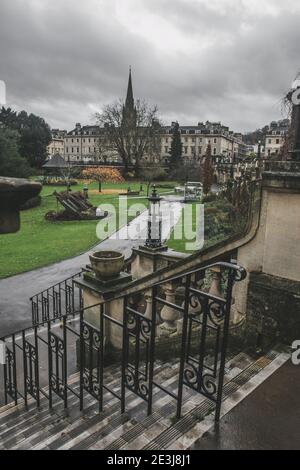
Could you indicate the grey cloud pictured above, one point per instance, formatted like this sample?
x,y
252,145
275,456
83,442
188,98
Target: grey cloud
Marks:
x,y
59,57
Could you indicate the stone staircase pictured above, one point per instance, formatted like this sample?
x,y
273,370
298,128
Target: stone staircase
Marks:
x,y
63,429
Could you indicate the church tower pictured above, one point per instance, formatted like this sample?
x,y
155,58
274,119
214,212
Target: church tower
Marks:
x,y
129,109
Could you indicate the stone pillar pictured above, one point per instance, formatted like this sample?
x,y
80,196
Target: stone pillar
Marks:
x,y
112,333
115,309
168,314
215,288
148,299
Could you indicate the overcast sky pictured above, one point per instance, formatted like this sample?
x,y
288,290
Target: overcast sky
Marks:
x,y
198,60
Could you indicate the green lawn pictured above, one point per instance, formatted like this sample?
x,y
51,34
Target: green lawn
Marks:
x,y
40,242
217,226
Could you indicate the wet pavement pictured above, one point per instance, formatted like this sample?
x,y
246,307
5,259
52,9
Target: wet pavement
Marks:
x,y
15,291
267,419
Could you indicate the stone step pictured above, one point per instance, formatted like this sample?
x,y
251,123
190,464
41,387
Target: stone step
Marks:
x,y
14,415
23,426
63,429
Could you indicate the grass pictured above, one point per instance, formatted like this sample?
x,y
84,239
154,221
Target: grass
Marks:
x,y
41,242
217,226
184,226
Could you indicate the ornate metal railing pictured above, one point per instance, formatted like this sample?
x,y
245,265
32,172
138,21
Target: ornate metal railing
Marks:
x,y
58,300
194,309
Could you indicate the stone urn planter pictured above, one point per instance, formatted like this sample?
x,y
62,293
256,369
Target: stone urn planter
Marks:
x,y
107,264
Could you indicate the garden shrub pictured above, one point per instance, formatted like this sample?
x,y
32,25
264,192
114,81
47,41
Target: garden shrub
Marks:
x,y
31,203
209,198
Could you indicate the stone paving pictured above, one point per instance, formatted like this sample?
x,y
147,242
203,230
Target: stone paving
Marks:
x,y
71,429
267,419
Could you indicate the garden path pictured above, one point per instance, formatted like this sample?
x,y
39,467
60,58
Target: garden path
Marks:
x,y
15,291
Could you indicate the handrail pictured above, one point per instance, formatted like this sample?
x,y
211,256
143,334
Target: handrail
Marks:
x,y
239,271
57,284
50,320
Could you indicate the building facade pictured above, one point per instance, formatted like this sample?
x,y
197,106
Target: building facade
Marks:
x,y
195,140
83,144
275,137
57,144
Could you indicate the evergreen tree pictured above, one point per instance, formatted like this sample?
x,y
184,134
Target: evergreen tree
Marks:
x,y
176,148
208,171
11,162
34,133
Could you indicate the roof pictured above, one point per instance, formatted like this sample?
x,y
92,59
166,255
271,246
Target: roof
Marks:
x,y
56,161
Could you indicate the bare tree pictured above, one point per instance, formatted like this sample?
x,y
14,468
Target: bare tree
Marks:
x,y
131,137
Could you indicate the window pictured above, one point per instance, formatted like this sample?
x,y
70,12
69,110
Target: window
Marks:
x,y
199,150
193,139
215,141
277,141
185,150
215,151
77,149
166,149
270,141
193,150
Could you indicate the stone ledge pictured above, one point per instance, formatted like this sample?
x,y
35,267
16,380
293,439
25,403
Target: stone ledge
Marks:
x,y
14,192
281,180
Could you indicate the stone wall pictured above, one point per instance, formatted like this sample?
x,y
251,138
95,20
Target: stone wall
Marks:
x,y
268,300
273,310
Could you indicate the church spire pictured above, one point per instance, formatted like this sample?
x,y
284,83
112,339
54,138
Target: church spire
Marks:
x,y
129,103
129,110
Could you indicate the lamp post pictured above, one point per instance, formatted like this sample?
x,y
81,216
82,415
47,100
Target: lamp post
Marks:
x,y
86,191
154,221
259,150
259,161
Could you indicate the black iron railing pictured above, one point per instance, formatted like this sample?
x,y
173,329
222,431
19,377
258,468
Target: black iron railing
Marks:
x,y
39,361
58,300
